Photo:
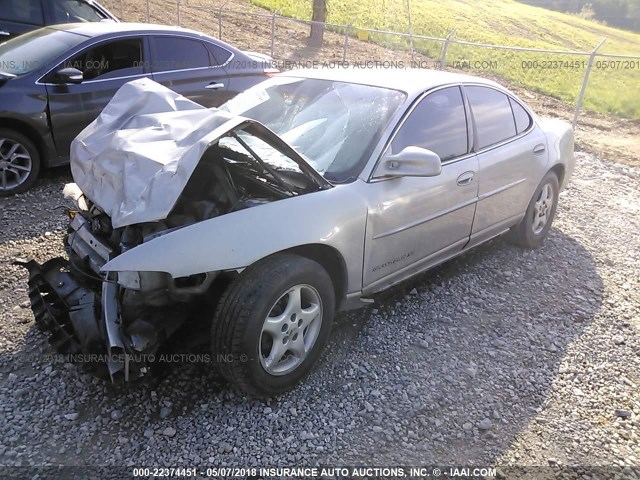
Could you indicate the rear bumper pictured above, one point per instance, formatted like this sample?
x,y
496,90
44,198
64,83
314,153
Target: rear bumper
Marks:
x,y
81,320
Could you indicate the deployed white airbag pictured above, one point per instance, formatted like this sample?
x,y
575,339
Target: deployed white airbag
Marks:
x,y
135,159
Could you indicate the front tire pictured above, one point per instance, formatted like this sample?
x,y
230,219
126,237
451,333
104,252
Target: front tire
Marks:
x,y
19,162
534,227
272,324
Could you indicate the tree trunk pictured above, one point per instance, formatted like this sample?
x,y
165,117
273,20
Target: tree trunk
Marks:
x,y
319,15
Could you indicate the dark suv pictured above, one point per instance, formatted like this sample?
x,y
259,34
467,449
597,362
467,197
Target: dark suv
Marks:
x,y
20,16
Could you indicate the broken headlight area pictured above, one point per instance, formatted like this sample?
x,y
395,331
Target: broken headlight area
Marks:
x,y
110,331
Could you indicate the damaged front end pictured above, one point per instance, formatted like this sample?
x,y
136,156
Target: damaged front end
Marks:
x,y
153,164
110,324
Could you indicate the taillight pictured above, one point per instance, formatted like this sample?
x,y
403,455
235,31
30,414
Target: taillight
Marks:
x,y
271,71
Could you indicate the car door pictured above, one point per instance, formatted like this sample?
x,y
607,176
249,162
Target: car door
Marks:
x,y
511,152
19,16
106,66
186,66
415,222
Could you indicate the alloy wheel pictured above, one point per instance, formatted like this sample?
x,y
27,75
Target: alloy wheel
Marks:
x,y
290,330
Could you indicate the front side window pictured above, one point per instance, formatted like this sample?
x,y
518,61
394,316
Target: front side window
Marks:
x,y
120,58
493,116
70,11
438,123
22,11
171,53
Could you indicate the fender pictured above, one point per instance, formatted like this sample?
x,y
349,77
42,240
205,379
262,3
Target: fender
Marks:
x,y
335,217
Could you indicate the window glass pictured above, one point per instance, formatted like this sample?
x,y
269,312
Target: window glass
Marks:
x,y
493,116
522,118
333,125
438,123
30,51
173,53
120,58
69,11
220,55
22,11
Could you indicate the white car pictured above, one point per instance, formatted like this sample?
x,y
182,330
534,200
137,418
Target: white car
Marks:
x,y
249,226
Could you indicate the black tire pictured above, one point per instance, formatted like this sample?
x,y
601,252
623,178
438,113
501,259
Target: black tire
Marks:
x,y
523,234
26,183
236,334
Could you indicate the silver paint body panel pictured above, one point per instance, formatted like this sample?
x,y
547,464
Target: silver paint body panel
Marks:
x,y
385,230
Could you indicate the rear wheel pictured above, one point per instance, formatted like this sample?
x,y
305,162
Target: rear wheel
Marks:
x,y
19,162
272,324
534,227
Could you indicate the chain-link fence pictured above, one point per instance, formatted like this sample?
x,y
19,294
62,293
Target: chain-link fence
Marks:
x,y
567,73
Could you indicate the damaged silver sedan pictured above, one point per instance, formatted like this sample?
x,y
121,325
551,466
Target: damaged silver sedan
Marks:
x,y
304,195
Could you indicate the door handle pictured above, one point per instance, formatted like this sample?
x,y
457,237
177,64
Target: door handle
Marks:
x,y
465,179
214,86
539,149
2,32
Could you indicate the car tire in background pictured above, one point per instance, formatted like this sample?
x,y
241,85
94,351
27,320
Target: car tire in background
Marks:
x,y
19,162
534,227
272,324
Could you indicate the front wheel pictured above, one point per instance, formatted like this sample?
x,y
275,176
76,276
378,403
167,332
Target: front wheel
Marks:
x,y
19,162
533,228
272,324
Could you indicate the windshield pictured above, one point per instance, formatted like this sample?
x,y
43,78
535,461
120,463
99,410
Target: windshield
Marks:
x,y
333,125
28,52
69,11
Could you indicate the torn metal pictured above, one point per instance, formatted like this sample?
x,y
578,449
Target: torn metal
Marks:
x,y
152,164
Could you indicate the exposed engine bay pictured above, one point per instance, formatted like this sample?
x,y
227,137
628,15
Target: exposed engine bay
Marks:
x,y
115,324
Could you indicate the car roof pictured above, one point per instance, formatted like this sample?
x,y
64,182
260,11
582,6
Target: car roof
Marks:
x,y
94,29
410,80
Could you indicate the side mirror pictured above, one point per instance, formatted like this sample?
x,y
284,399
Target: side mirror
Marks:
x,y
69,75
410,162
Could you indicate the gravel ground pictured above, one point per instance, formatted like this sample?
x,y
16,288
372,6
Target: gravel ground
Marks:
x,y
503,357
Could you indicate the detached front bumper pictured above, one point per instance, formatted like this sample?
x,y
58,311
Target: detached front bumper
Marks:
x,y
81,317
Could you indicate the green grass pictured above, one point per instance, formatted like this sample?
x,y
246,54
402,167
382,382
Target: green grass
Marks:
x,y
503,22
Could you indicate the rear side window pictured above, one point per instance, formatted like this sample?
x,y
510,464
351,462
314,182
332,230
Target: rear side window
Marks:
x,y
492,113
220,55
22,11
171,53
70,11
520,115
438,123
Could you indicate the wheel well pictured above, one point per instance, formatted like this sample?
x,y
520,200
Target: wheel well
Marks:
x,y
332,262
28,131
559,170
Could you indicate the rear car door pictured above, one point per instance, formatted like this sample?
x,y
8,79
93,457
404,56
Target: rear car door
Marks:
x,y
186,65
106,66
19,16
414,222
511,153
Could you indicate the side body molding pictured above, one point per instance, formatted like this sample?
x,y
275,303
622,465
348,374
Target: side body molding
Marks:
x,y
335,217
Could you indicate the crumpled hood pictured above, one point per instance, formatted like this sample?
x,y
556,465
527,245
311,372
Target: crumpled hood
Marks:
x,y
135,159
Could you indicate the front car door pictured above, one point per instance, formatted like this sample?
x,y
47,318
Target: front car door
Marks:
x,y
511,153
416,222
106,66
187,66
